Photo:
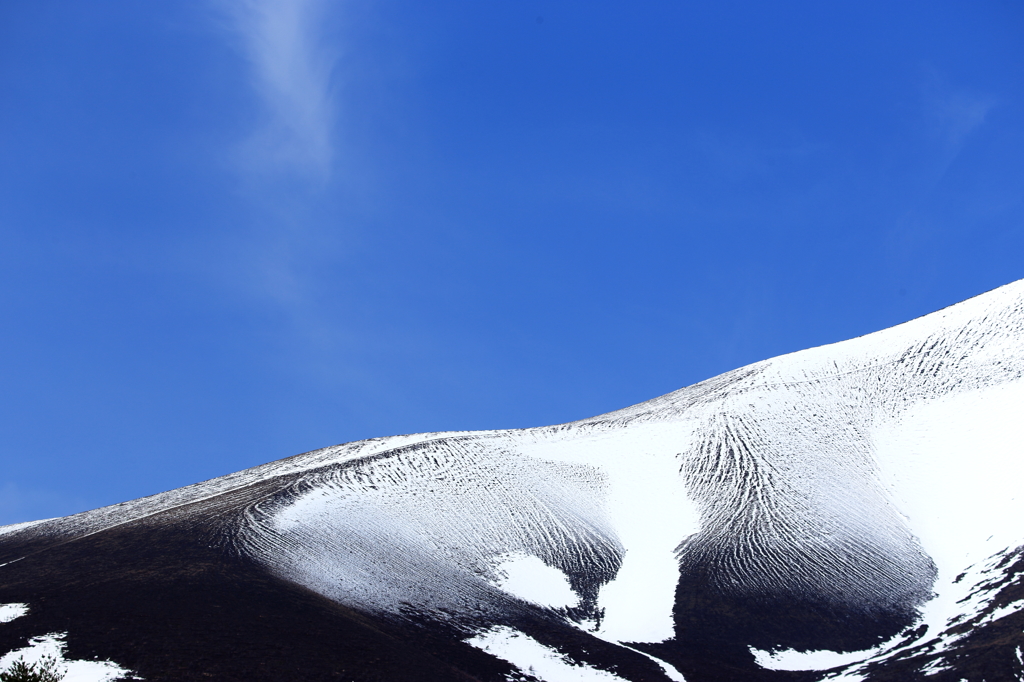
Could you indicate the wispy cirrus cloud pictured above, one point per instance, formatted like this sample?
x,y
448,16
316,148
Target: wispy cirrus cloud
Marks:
x,y
293,70
951,114
293,60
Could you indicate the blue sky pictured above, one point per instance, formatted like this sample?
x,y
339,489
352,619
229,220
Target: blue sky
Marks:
x,y
236,230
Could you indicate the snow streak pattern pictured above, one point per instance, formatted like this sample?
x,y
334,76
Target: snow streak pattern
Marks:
x,y
425,527
779,459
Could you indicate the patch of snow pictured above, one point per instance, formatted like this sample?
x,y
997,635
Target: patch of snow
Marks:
x,y
53,645
789,659
534,659
934,667
530,579
1001,612
670,671
9,612
651,514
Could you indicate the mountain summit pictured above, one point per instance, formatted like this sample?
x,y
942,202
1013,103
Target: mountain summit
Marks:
x,y
848,512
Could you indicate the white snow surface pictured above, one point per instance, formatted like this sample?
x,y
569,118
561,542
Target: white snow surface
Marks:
x,y
789,659
530,579
9,612
53,646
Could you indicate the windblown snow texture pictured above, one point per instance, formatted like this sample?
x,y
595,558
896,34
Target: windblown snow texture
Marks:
x,y
859,499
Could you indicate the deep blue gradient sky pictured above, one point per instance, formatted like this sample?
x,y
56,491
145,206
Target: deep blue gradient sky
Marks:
x,y
236,230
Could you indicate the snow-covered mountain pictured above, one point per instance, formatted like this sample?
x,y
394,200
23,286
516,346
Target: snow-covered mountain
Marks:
x,y
849,512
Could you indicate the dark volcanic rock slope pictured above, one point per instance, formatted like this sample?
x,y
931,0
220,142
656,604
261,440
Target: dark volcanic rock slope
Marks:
x,y
847,512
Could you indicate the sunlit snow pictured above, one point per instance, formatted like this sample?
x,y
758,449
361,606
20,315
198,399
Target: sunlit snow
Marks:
x,y
53,646
9,612
651,514
788,659
529,578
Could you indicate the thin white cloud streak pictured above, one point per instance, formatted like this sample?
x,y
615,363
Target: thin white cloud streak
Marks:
x,y
293,67
293,71
951,116
294,58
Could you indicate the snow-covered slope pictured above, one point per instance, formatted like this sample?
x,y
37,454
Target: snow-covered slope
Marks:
x,y
853,509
